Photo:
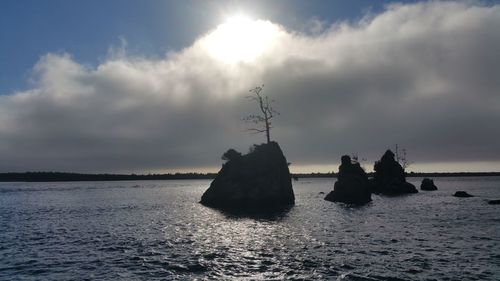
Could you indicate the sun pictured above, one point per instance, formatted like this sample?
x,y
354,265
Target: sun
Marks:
x,y
241,39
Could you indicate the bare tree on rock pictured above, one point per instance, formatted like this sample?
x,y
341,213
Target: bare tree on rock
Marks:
x,y
261,121
401,157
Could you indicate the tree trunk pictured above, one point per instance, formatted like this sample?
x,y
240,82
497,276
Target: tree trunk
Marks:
x,y
267,132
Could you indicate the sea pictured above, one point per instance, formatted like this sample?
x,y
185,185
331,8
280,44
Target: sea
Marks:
x,y
157,230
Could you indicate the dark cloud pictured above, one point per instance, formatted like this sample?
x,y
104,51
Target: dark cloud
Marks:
x,y
422,75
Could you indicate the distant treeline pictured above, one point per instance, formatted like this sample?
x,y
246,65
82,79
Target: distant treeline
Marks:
x,y
455,174
410,174
56,176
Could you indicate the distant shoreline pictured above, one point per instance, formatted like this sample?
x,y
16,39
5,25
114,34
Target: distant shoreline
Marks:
x,y
62,177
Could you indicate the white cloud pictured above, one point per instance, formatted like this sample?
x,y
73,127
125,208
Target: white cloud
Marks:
x,y
422,75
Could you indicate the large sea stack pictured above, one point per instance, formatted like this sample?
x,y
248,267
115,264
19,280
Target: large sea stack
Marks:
x,y
352,185
259,180
389,178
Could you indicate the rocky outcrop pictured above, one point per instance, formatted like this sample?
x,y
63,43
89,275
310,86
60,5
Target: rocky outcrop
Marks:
x,y
428,185
462,194
494,202
352,185
255,181
389,177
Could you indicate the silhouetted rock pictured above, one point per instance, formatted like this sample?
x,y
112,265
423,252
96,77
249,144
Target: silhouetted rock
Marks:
x,y
231,154
494,202
462,194
389,177
428,184
257,180
352,185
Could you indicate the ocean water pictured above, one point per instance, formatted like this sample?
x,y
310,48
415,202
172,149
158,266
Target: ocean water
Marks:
x,y
157,230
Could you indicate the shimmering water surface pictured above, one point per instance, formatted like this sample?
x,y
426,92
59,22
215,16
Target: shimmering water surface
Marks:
x,y
157,231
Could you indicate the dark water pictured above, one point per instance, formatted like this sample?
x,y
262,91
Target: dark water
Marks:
x,y
158,231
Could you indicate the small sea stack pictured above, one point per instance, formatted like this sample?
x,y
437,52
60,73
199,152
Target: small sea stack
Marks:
x,y
389,177
352,185
259,180
428,185
462,194
494,202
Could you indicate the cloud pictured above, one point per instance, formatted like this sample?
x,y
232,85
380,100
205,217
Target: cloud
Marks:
x,y
423,75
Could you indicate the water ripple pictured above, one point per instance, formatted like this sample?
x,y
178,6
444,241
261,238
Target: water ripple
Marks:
x,y
158,231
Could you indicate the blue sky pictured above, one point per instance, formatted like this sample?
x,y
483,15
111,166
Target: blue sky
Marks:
x,y
74,97
30,29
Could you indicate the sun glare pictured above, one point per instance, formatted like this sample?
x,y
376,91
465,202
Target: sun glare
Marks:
x,y
241,39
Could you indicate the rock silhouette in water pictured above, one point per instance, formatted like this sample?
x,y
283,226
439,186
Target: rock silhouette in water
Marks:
x,y
462,194
494,202
352,185
428,184
255,181
390,177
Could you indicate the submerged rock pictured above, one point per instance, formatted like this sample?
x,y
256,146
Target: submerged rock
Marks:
x,y
255,181
494,202
389,177
352,185
428,184
462,194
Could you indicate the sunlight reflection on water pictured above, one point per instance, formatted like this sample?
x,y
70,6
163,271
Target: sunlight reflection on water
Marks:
x,y
158,230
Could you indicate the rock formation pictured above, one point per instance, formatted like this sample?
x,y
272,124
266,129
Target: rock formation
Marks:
x,y
389,178
462,194
255,181
494,202
352,185
428,184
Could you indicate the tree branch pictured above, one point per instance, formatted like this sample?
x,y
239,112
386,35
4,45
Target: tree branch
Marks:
x,y
268,112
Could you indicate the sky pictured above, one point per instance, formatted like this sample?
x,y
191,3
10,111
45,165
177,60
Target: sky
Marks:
x,y
160,86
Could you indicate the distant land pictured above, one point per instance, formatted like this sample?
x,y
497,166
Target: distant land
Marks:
x,y
60,177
